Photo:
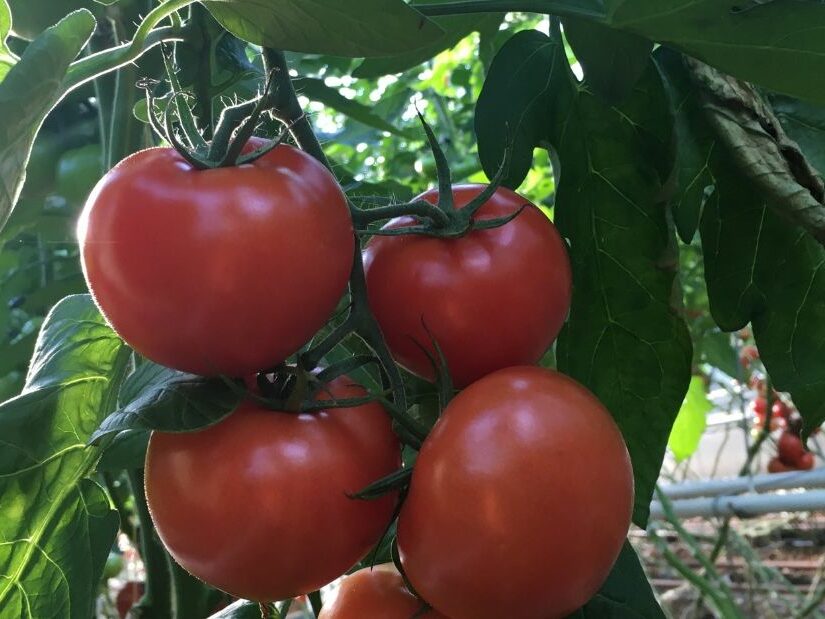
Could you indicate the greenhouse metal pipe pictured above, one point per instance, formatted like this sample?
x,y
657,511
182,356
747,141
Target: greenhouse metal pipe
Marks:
x,y
746,506
740,485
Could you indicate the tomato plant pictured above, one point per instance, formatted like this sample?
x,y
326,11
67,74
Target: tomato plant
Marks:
x,y
490,299
375,592
257,505
598,191
190,266
475,532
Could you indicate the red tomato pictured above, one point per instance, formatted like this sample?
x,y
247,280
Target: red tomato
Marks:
x,y
777,466
780,410
748,355
128,596
760,406
806,461
257,505
492,298
521,499
377,592
224,271
790,448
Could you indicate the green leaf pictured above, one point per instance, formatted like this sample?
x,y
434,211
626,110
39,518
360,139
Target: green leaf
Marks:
x,y
762,269
623,339
56,524
126,451
455,28
717,350
626,594
612,60
7,58
317,90
696,142
27,94
759,147
778,44
373,28
691,421
517,103
805,123
159,398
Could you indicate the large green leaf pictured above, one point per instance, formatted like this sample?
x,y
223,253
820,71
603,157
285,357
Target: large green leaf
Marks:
x,y
370,28
695,144
455,28
762,269
28,92
626,594
805,123
758,146
612,60
517,104
778,44
623,339
56,525
691,421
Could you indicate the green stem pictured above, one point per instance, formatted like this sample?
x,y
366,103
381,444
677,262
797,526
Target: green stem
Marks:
x,y
701,584
190,597
313,357
116,493
286,107
692,544
104,85
204,110
288,110
157,600
146,36
419,208
125,131
562,8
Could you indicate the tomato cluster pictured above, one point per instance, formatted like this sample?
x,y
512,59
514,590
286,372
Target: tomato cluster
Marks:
x,y
231,270
791,454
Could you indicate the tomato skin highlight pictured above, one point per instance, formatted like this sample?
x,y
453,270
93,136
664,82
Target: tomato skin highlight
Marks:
x,y
522,492
377,592
224,271
492,298
257,505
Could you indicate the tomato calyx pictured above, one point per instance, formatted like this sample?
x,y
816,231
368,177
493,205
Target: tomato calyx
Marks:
x,y
174,122
442,219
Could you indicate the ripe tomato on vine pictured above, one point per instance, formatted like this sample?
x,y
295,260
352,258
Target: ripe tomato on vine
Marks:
x,y
210,271
491,298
